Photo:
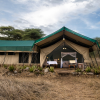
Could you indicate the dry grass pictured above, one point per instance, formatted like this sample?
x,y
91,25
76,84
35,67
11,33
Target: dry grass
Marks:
x,y
49,87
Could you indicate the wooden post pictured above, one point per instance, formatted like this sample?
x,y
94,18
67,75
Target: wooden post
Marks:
x,y
95,59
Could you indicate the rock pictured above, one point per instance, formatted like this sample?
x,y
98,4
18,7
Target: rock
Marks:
x,y
74,73
79,73
27,68
46,70
15,72
9,74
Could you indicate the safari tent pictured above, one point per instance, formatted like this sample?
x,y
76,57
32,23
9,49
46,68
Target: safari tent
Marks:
x,y
64,45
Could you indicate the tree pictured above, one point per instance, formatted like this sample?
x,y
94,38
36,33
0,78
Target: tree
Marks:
x,y
10,33
98,39
33,34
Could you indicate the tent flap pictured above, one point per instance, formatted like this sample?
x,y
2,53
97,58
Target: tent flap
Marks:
x,y
82,50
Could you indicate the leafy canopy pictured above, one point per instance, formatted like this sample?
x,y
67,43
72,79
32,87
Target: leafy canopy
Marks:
x,y
10,33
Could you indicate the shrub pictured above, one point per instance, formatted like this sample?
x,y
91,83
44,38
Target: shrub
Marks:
x,y
96,71
31,69
11,68
78,70
5,66
24,67
40,68
42,73
51,69
88,69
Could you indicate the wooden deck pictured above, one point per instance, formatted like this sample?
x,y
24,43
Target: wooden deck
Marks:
x,y
64,70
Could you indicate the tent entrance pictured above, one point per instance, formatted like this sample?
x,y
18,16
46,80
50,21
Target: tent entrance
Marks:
x,y
63,54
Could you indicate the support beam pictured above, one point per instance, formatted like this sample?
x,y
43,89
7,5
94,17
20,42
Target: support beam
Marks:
x,y
91,59
95,58
98,51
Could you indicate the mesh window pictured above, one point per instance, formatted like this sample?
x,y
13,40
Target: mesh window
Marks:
x,y
35,58
23,57
11,53
2,53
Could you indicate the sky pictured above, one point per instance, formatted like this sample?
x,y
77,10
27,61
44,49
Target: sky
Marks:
x,y
82,16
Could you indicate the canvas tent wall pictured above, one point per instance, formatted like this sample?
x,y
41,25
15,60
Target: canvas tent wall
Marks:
x,y
82,50
22,52
80,43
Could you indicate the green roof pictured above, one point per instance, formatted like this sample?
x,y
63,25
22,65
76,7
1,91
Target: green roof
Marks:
x,y
9,45
71,31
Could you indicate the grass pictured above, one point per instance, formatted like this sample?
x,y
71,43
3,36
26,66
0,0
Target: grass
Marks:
x,y
49,88
88,69
78,70
51,69
11,68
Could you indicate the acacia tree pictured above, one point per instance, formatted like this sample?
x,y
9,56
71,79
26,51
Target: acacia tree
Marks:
x,y
10,33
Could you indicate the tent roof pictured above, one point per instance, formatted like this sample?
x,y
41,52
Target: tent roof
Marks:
x,y
68,34
9,45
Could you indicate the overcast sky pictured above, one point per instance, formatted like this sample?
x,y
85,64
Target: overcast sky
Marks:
x,y
82,16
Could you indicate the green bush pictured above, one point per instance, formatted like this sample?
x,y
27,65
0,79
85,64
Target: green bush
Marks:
x,y
40,68
99,68
51,69
5,66
24,67
11,68
88,69
31,69
78,70
96,71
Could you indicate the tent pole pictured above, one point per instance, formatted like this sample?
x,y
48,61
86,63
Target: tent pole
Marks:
x,y
23,59
4,58
98,51
91,60
95,58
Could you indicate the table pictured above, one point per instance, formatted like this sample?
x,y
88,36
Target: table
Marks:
x,y
52,63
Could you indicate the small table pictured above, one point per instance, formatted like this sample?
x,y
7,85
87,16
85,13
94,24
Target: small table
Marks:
x,y
52,63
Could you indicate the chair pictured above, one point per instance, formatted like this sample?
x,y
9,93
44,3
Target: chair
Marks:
x,y
45,63
72,63
80,65
65,64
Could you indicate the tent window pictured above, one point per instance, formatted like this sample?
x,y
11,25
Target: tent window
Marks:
x,y
11,53
23,57
2,53
35,58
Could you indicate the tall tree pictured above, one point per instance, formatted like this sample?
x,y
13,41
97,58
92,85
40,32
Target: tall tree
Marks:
x,y
10,33
33,34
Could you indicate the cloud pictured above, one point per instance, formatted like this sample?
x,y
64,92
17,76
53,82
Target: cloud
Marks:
x,y
50,15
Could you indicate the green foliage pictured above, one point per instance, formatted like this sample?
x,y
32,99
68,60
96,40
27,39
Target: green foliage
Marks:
x,y
32,34
24,67
88,69
10,33
51,69
96,71
33,68
42,73
40,68
5,66
11,68
78,70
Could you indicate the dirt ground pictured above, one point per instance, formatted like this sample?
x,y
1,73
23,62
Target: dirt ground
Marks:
x,y
51,86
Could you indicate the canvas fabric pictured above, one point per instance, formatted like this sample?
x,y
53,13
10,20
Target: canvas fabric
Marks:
x,y
82,50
